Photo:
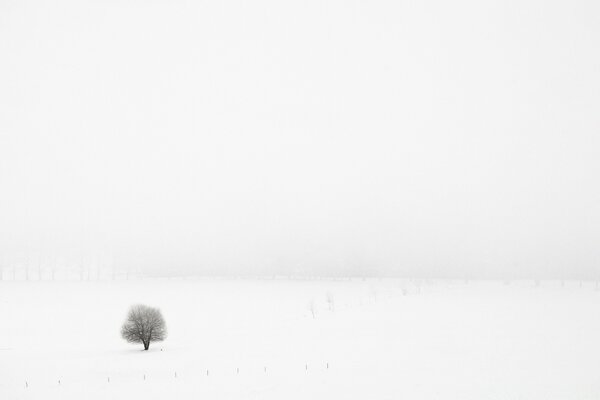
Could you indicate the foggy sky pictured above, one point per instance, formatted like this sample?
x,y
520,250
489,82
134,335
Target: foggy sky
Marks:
x,y
434,137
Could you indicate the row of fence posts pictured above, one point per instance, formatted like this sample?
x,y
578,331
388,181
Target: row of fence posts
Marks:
x,y
237,371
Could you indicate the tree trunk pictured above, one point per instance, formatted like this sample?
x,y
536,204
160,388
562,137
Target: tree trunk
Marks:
x,y
146,345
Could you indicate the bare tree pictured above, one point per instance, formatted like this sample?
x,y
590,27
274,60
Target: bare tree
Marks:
x,y
330,301
143,325
312,307
373,292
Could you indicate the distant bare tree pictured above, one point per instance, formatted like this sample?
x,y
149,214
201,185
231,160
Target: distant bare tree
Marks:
x,y
39,268
373,292
330,301
312,307
144,325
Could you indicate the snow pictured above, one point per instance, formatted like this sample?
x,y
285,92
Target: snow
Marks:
x,y
383,339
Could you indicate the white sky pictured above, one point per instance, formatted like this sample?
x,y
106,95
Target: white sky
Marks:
x,y
429,135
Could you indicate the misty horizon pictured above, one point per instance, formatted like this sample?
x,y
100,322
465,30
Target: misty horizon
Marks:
x,y
363,138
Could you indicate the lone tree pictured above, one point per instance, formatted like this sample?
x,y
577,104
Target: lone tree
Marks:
x,y
144,325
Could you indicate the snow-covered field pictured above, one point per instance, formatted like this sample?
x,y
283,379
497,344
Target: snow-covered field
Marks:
x,y
380,339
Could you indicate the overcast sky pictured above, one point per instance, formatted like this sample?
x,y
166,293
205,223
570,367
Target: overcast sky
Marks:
x,y
441,136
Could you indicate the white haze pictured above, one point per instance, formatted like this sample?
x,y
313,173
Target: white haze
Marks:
x,y
325,137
